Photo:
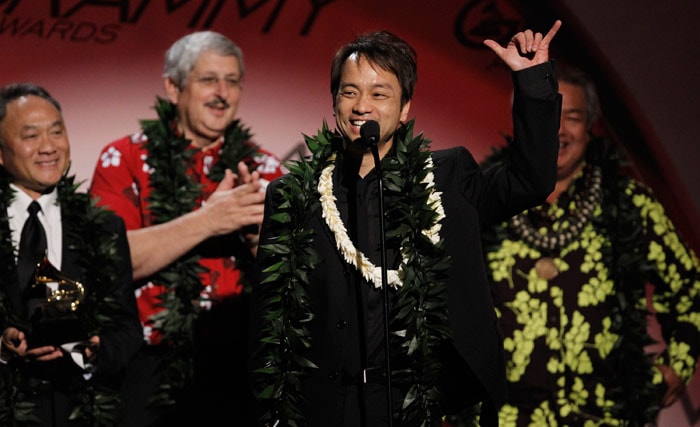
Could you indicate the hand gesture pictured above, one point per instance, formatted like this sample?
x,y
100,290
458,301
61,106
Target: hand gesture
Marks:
x,y
237,202
525,49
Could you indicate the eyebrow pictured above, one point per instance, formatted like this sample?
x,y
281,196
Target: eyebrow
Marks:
x,y
214,73
32,126
374,86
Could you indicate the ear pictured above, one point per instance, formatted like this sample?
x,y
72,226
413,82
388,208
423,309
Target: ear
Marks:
x,y
172,90
404,112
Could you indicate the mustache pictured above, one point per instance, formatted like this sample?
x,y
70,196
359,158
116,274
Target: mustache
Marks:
x,y
218,103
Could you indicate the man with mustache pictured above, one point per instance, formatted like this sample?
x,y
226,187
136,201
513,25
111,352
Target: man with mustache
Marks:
x,y
190,186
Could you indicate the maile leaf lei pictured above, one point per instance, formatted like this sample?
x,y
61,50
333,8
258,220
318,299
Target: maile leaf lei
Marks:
x,y
174,194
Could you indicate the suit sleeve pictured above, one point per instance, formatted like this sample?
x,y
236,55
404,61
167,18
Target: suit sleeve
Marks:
x,y
528,175
122,337
260,293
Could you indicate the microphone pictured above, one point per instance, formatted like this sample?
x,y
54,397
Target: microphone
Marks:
x,y
369,132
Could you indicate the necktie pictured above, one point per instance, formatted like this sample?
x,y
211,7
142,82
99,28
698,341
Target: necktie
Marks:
x,y
32,246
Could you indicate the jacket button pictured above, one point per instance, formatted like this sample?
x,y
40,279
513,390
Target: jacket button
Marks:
x,y
333,375
341,324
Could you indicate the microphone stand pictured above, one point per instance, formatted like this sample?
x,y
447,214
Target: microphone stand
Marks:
x,y
385,285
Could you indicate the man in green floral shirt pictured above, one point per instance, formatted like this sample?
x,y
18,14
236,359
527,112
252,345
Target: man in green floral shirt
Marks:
x,y
569,280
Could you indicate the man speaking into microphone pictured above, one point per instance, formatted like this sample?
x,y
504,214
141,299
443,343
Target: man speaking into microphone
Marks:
x,y
350,332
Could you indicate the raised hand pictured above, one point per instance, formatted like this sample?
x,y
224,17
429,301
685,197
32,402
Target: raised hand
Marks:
x,y
526,48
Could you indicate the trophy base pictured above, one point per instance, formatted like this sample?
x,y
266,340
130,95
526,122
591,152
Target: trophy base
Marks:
x,y
56,332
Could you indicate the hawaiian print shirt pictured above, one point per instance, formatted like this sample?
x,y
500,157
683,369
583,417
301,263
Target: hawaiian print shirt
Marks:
x,y
557,328
121,181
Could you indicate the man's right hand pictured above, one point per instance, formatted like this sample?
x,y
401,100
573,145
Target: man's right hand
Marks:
x,y
14,344
526,48
237,202
232,207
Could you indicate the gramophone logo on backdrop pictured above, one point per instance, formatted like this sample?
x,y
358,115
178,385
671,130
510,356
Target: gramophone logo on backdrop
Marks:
x,y
102,22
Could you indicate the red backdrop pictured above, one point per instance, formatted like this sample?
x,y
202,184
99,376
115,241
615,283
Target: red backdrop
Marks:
x,y
102,61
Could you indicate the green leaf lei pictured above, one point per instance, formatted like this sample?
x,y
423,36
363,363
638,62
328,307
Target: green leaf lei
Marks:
x,y
636,396
420,311
83,232
175,194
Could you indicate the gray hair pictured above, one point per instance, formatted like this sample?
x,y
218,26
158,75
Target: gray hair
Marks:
x,y
182,56
577,77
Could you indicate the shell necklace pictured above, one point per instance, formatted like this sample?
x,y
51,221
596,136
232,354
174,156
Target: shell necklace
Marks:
x,y
351,254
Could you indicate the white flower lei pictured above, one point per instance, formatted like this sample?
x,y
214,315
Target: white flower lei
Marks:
x,y
352,255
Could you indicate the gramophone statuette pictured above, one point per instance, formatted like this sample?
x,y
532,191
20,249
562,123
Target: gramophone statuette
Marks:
x,y
53,301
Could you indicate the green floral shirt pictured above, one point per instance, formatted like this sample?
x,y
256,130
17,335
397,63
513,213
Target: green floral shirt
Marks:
x,y
559,332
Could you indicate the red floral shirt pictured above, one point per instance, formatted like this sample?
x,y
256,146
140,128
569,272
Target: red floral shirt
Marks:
x,y
121,183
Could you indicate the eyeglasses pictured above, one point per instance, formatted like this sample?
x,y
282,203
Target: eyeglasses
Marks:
x,y
212,81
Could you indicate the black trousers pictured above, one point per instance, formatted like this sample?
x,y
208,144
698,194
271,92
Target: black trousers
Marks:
x,y
364,405
220,394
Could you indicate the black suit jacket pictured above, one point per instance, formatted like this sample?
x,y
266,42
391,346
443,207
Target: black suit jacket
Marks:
x,y
119,338
473,360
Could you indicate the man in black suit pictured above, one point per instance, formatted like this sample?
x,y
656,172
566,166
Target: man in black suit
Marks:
x,y
69,322
322,307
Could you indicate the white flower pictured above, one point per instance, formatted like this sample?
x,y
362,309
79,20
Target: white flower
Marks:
x,y
146,168
111,157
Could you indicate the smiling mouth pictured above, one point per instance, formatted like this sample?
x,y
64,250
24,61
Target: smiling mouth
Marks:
x,y
358,123
220,107
45,163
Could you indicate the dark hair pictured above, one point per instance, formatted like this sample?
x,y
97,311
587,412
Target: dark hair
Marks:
x,y
577,77
13,91
385,50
